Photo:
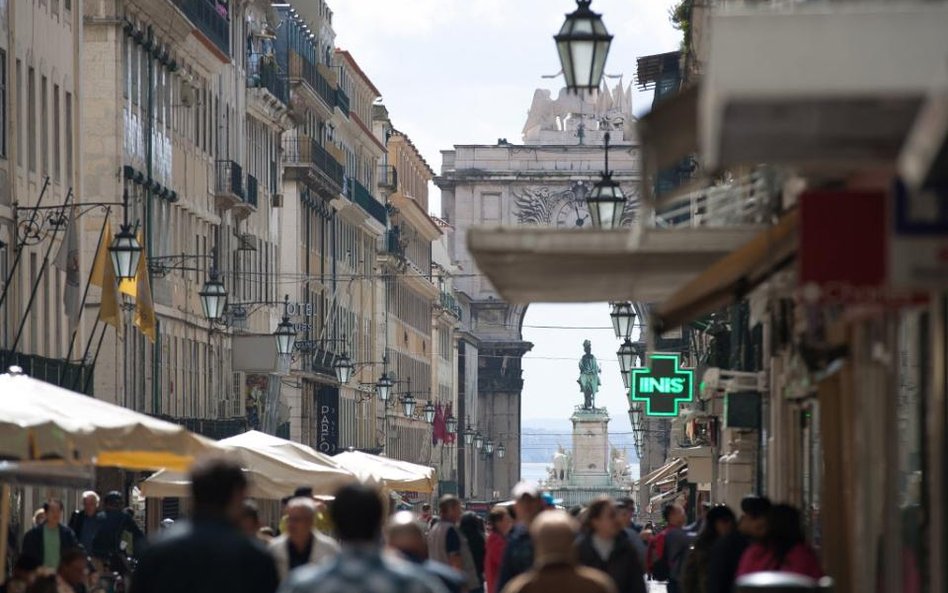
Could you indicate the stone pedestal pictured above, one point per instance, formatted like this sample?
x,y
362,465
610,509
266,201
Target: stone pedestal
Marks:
x,y
590,447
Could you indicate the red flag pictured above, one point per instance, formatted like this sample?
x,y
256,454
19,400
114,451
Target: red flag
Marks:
x,y
440,428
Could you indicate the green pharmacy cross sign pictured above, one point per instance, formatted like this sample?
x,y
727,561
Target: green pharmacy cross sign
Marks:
x,y
663,386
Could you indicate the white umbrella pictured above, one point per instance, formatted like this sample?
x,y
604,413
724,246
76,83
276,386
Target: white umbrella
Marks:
x,y
394,474
274,467
40,421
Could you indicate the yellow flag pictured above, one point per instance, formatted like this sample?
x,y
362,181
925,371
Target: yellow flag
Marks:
x,y
103,276
144,305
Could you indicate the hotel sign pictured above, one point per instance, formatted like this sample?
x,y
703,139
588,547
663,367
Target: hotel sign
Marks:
x,y
662,386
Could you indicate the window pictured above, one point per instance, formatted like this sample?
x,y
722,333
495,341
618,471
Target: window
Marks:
x,y
57,156
3,104
19,113
68,143
67,4
31,118
44,125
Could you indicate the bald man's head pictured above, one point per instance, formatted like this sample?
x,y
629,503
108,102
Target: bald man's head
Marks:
x,y
554,533
404,533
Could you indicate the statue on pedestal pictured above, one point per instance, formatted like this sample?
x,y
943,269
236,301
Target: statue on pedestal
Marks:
x,y
588,377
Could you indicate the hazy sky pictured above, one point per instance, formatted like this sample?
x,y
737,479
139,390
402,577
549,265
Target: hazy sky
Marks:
x,y
464,72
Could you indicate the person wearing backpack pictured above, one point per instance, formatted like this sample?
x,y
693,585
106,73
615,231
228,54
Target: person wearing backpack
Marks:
x,y
667,550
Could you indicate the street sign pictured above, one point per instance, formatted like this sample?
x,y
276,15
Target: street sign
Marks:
x,y
662,386
918,252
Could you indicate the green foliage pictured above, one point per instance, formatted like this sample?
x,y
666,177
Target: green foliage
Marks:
x,y
680,16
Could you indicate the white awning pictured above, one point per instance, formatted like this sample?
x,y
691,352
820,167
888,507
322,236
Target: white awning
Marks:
x,y
576,265
672,467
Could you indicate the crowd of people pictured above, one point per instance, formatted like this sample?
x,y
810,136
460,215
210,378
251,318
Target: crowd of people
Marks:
x,y
354,544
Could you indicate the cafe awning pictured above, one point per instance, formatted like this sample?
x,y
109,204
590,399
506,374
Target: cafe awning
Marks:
x,y
576,265
393,474
274,467
732,277
40,422
655,476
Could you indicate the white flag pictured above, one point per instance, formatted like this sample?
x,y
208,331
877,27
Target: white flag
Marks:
x,y
67,260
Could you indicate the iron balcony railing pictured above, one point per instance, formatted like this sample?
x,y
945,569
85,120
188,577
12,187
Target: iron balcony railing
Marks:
x,y
70,375
211,18
302,149
303,69
263,73
450,304
364,199
342,101
388,177
252,190
230,179
393,244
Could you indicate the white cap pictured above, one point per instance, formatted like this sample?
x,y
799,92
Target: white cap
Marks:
x,y
522,489
167,522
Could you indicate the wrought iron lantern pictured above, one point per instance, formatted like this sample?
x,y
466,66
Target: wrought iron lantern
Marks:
x,y
583,46
623,319
429,411
213,297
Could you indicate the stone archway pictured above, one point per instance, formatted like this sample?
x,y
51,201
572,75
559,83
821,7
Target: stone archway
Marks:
x,y
542,182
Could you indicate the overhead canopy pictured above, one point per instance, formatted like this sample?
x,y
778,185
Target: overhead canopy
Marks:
x,y
731,277
555,265
655,476
39,421
393,474
859,75
274,467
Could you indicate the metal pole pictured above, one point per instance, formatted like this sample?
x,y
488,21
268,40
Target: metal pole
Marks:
x,y
39,277
85,386
85,295
21,244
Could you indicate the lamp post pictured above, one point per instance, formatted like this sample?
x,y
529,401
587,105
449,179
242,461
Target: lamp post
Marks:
x,y
623,319
285,333
625,355
343,368
125,250
383,388
478,440
501,451
469,435
583,46
489,447
606,201
408,403
451,424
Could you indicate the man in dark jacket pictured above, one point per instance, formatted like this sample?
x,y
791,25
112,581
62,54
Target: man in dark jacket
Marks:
x,y
85,522
108,540
726,552
45,543
209,553
518,555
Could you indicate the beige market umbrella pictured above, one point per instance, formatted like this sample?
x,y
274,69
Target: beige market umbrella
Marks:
x,y
393,474
274,467
39,421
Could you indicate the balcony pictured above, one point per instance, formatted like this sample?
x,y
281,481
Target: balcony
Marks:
x,y
342,101
749,200
450,304
248,206
229,184
302,70
210,18
363,198
263,73
307,160
388,178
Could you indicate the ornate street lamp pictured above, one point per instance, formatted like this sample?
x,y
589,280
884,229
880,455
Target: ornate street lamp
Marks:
x,y
501,451
606,201
478,440
489,447
583,45
383,388
285,333
344,368
623,319
451,424
429,412
409,404
625,354
125,250
213,297
469,435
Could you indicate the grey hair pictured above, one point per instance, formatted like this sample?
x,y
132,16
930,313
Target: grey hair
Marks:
x,y
91,493
302,502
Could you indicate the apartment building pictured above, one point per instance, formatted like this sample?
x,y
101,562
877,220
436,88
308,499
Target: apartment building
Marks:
x,y
40,173
182,113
